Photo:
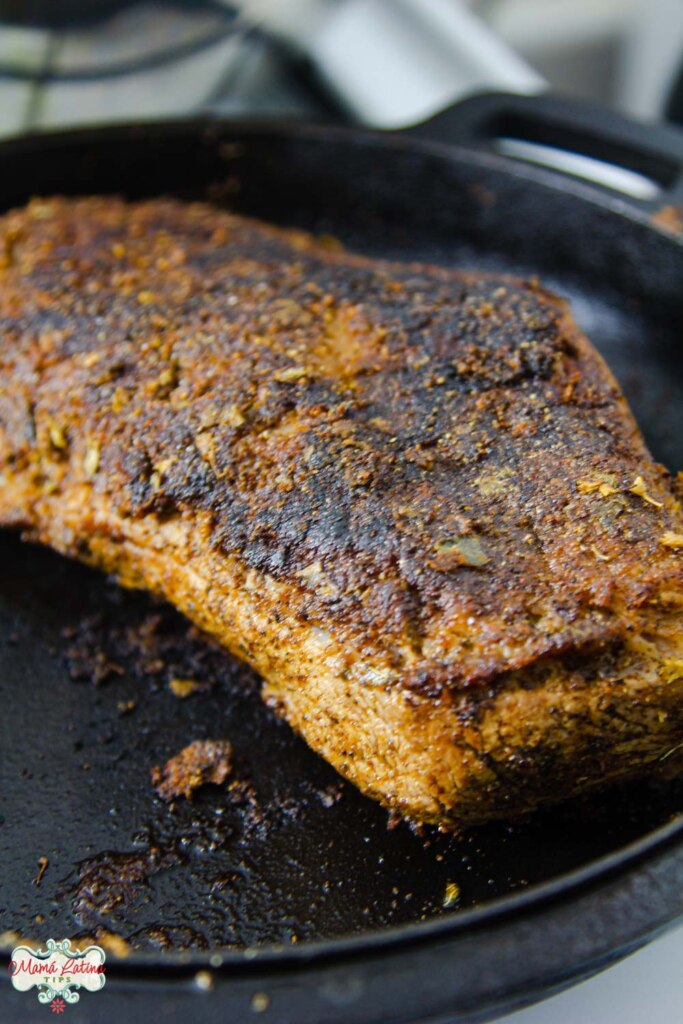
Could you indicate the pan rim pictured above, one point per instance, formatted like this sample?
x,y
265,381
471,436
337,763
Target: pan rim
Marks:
x,y
208,125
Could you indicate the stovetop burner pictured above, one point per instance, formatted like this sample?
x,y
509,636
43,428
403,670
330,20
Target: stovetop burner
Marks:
x,y
66,62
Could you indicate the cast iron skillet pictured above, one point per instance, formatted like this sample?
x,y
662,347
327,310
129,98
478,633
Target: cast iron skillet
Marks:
x,y
289,888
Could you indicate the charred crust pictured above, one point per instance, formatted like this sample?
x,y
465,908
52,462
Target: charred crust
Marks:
x,y
400,444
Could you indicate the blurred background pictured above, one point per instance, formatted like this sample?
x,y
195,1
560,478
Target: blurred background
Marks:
x,y
384,62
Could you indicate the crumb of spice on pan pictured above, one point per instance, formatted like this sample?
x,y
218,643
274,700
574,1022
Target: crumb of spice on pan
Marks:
x,y
182,688
204,980
670,218
198,764
331,795
42,868
451,894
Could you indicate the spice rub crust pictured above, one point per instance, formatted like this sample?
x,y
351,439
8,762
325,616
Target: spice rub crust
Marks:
x,y
427,475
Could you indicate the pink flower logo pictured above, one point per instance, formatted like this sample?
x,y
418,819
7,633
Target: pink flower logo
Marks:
x,y
58,1005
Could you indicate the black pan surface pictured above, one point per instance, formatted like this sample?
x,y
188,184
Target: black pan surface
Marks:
x,y
289,863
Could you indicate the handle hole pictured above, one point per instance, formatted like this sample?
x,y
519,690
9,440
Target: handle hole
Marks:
x,y
609,175
584,153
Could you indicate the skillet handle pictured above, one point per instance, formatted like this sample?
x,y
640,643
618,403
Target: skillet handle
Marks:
x,y
642,163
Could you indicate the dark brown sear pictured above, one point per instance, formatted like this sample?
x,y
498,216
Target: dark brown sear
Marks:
x,y
415,500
